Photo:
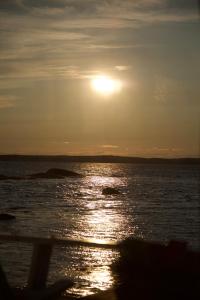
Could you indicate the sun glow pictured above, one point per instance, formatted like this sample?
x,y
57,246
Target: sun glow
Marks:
x,y
105,85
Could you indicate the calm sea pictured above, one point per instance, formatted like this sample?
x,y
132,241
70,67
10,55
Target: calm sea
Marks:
x,y
156,202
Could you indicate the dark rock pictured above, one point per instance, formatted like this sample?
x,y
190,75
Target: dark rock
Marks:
x,y
42,175
16,207
61,172
49,174
6,217
4,177
110,191
16,178
55,173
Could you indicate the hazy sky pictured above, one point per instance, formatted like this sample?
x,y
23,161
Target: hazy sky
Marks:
x,y
51,49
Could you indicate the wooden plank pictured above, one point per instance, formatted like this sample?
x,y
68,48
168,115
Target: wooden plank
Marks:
x,y
39,266
54,241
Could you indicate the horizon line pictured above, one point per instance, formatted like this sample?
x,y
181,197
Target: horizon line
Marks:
x,y
100,156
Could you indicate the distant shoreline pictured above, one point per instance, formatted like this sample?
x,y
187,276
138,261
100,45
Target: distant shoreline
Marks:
x,y
101,159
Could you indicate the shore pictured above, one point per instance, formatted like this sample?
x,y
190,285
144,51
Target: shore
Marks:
x,y
104,295
102,159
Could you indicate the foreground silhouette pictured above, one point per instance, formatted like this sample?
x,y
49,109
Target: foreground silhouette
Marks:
x,y
50,293
144,270
149,270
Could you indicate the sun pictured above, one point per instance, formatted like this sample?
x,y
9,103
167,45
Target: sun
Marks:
x,y
105,85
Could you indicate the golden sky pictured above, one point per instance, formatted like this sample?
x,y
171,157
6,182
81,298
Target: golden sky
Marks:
x,y
51,51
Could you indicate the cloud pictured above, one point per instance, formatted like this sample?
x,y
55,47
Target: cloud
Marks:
x,y
182,4
44,38
122,68
95,5
7,101
95,9
110,146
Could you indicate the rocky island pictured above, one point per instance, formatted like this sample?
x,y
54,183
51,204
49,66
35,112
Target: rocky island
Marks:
x,y
49,174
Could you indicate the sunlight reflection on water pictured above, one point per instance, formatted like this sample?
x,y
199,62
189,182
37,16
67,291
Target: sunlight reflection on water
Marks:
x,y
95,274
99,222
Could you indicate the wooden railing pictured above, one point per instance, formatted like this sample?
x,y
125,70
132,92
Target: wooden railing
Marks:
x,y
41,255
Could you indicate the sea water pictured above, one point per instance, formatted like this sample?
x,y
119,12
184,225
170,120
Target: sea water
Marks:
x,y
156,202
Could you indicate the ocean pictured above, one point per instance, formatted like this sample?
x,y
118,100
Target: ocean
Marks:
x,y
158,202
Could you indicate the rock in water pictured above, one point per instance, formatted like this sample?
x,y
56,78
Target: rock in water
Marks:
x,y
49,174
55,173
6,217
110,191
4,177
61,172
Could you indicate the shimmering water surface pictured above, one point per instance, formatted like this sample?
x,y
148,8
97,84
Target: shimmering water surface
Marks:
x,y
156,202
